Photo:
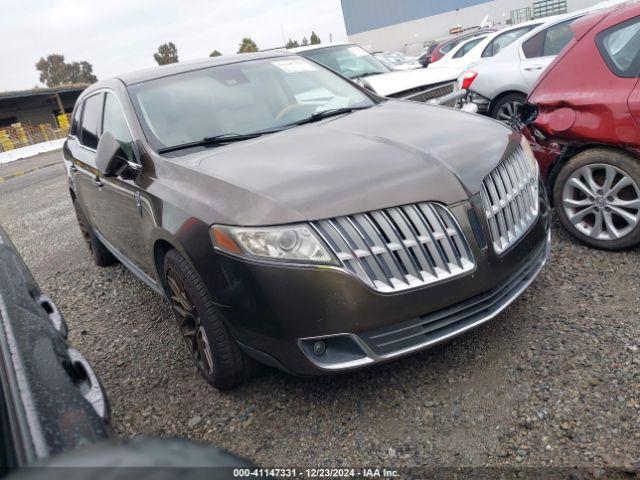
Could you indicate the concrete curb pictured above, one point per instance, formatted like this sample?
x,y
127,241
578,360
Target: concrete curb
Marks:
x,y
28,170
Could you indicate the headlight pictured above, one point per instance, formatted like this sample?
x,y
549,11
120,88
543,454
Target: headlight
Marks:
x,y
296,243
531,158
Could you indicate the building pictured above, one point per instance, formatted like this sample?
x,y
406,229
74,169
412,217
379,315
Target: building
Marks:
x,y
39,105
405,25
38,115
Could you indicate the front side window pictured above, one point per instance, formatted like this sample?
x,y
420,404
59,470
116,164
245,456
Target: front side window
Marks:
x,y
504,40
348,60
91,120
238,99
549,42
466,48
116,125
620,47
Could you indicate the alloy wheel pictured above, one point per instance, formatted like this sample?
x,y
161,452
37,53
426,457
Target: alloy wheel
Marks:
x,y
602,201
509,113
189,322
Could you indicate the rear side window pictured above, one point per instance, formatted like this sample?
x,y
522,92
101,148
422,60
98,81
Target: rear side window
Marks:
x,y
449,46
466,48
92,120
504,40
549,42
620,48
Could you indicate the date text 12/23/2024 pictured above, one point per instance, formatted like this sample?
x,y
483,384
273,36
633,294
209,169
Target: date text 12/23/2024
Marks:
x,y
315,473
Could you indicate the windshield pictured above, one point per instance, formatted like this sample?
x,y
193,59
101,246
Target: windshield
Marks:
x,y
349,60
238,99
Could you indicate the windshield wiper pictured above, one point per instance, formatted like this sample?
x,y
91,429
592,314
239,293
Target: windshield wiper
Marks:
x,y
366,74
215,140
328,113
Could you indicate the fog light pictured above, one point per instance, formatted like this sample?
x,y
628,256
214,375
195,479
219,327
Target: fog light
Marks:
x,y
319,348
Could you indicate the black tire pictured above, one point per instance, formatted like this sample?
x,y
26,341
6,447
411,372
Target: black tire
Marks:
x,y
101,256
622,161
510,99
226,366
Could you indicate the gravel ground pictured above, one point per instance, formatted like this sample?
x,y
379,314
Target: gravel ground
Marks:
x,y
553,381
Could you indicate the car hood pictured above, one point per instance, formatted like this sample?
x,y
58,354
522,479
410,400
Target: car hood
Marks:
x,y
392,83
395,153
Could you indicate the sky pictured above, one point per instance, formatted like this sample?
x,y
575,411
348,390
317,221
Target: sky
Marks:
x,y
118,36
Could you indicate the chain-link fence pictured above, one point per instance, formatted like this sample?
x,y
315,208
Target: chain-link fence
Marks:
x,y
24,134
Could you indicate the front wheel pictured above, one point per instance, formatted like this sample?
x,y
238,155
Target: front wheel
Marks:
x,y
201,322
597,198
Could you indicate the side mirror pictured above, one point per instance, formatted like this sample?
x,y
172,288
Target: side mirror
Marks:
x,y
108,160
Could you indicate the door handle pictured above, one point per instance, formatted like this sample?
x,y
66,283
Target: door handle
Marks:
x,y
533,67
97,182
73,168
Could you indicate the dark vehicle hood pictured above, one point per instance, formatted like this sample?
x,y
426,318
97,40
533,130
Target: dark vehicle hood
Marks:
x,y
395,153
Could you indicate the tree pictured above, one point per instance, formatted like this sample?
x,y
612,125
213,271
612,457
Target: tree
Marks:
x,y
167,53
315,39
80,72
54,71
305,42
292,44
215,53
247,45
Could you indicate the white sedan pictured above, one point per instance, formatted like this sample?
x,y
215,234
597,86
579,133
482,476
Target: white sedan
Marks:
x,y
476,49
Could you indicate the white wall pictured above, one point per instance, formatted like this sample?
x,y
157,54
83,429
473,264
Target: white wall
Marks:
x,y
409,36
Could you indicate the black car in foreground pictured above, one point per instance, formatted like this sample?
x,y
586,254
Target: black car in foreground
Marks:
x,y
54,414
294,218
50,399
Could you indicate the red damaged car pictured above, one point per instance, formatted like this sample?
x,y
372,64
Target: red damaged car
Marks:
x,y
584,120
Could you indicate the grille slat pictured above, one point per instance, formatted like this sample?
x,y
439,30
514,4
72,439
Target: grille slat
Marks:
x,y
401,247
422,94
510,199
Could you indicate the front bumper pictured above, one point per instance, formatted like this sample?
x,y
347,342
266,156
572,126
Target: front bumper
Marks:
x,y
279,312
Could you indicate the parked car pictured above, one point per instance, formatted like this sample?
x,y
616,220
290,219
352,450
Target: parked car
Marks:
x,y
50,399
500,85
397,61
359,65
425,57
445,46
456,58
477,49
294,218
592,120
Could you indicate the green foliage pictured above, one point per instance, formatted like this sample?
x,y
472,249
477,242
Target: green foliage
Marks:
x,y
315,39
215,53
292,44
247,45
55,71
305,42
167,53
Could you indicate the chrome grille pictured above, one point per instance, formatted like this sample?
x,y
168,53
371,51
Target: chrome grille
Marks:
x,y
399,248
510,200
426,94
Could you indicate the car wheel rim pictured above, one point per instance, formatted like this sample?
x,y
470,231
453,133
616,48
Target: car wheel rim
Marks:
x,y
602,202
189,322
509,113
